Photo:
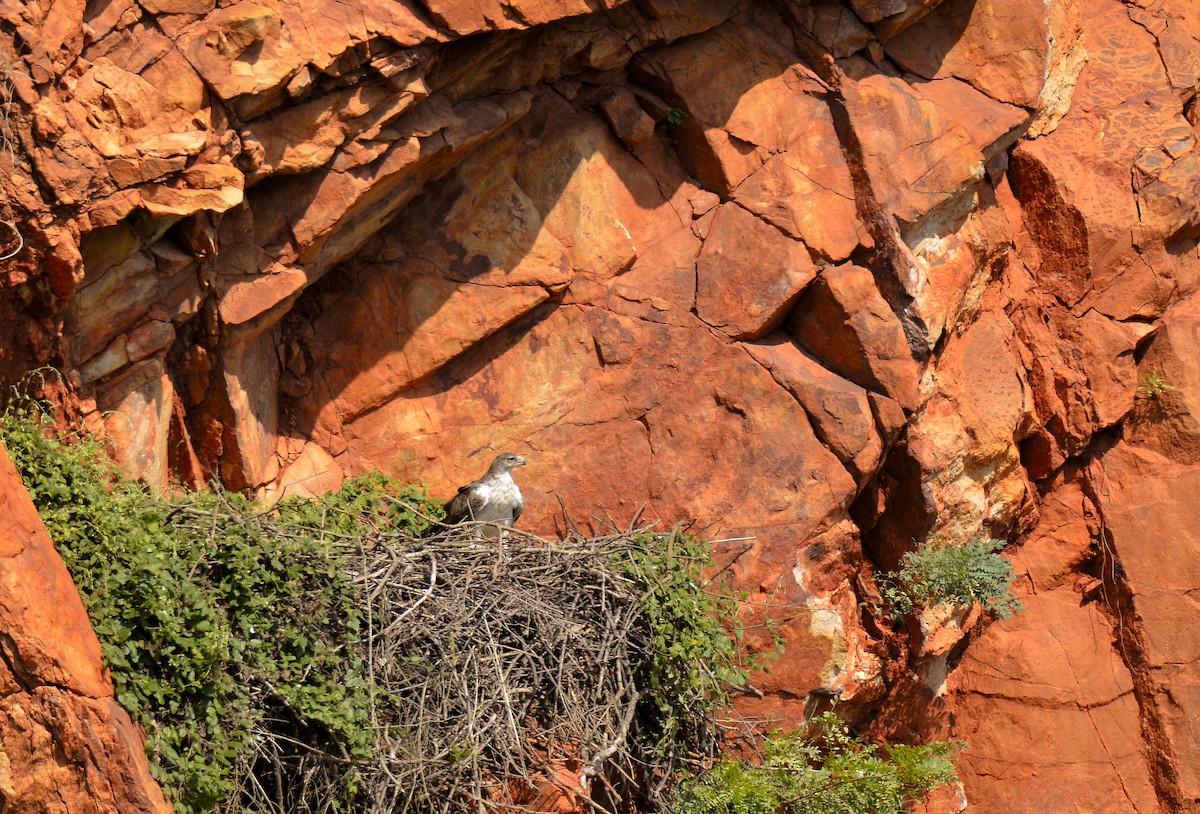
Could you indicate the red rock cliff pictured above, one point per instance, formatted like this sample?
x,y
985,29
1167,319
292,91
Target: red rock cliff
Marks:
x,y
832,275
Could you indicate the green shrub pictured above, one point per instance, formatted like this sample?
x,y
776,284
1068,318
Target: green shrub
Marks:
x,y
695,634
209,609
820,769
938,573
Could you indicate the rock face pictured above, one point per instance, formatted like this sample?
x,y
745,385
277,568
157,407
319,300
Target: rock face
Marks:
x,y
834,276
66,746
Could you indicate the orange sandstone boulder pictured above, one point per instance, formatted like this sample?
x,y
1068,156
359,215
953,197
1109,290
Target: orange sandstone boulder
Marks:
x,y
1005,50
1042,701
749,274
67,746
845,322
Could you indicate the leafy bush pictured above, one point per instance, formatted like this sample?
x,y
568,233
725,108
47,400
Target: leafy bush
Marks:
x,y
208,617
695,634
674,117
821,769
938,573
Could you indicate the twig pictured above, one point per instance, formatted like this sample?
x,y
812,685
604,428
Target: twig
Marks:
x,y
20,240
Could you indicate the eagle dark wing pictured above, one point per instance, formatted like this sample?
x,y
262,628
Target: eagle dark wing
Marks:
x,y
467,504
517,509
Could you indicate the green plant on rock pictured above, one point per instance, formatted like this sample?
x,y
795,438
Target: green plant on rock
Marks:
x,y
1152,385
210,610
695,636
674,117
821,769
940,573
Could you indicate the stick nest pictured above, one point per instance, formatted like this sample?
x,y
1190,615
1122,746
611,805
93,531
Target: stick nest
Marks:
x,y
502,676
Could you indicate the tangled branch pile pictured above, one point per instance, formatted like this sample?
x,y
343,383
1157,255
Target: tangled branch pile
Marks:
x,y
350,654
497,663
505,674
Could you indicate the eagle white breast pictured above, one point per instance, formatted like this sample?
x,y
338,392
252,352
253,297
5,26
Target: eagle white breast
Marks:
x,y
501,500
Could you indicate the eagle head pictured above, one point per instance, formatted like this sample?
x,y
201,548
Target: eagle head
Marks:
x,y
505,462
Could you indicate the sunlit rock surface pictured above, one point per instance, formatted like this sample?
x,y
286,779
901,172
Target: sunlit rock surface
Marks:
x,y
825,277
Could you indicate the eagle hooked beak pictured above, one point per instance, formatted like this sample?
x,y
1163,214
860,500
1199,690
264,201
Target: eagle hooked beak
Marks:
x,y
520,461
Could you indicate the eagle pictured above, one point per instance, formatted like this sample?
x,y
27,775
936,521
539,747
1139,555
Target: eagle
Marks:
x,y
494,498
